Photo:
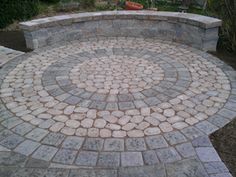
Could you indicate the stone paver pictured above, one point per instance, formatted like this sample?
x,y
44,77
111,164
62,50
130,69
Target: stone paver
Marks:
x,y
135,144
168,155
109,159
12,141
150,157
156,142
114,145
54,139
87,158
175,137
207,154
117,104
65,156
121,79
186,150
191,168
45,153
131,159
27,147
73,142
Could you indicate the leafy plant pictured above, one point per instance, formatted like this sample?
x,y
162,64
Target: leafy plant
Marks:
x,y
50,1
145,3
17,10
226,10
87,3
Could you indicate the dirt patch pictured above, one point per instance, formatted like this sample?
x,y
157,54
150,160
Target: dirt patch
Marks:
x,y
228,58
224,140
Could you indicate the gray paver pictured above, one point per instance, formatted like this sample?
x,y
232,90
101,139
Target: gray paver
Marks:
x,y
206,127
12,141
202,141
207,154
27,147
65,156
53,139
192,132
93,173
4,149
45,153
87,158
145,171
23,128
98,97
37,134
53,172
36,163
186,149
22,172
219,121
73,100
150,157
114,144
46,124
5,133
126,105
215,167
111,106
152,101
6,172
131,159
149,93
125,97
73,142
175,137
135,144
11,122
98,105
227,113
221,175
168,155
95,144
155,142
12,159
109,159
190,168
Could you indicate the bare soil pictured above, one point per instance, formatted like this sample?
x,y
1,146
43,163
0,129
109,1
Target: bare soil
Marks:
x,y
224,140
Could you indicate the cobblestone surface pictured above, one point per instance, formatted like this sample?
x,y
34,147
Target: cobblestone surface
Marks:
x,y
7,54
115,103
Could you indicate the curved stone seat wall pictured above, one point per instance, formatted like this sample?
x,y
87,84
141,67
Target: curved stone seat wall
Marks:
x,y
194,30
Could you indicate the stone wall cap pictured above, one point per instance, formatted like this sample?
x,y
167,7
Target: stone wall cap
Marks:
x,y
188,18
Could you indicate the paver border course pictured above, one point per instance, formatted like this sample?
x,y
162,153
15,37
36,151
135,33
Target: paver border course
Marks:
x,y
194,30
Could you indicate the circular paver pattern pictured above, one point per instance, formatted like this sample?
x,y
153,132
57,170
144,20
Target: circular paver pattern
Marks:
x,y
112,88
107,89
116,75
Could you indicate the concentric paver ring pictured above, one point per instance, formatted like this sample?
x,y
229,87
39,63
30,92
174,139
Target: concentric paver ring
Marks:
x,y
166,134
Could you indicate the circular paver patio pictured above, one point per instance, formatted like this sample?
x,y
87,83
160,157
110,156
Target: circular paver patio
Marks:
x,y
111,101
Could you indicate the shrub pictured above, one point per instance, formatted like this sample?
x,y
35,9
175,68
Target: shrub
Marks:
x,y
11,10
50,1
226,10
87,3
145,3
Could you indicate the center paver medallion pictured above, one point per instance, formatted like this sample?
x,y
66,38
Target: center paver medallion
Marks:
x,y
109,96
